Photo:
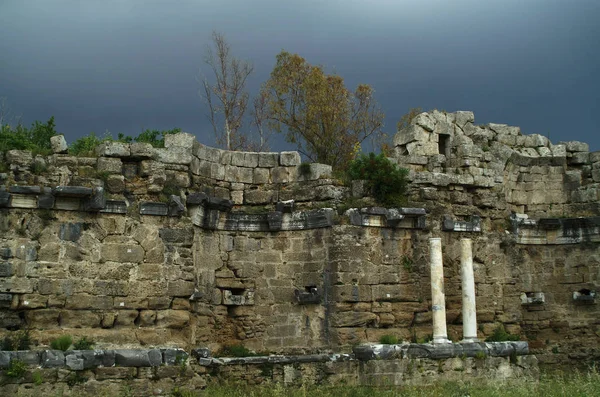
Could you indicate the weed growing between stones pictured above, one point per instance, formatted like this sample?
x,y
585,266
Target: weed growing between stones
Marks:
x,y
16,369
20,340
83,344
63,343
500,335
388,339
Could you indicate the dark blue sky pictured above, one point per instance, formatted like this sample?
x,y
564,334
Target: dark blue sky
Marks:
x,y
124,65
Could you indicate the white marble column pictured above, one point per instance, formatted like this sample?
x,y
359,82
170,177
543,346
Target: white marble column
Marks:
x,y
438,301
469,311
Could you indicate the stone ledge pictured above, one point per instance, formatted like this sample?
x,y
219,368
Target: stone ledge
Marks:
x,y
441,351
555,231
403,218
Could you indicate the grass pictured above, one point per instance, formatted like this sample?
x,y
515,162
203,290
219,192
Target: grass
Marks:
x,y
388,340
62,343
575,384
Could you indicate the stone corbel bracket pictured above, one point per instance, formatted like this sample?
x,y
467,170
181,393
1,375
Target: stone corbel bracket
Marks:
x,y
401,218
70,198
472,225
214,214
555,230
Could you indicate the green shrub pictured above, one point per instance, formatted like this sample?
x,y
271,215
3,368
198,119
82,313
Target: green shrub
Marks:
x,y
236,351
37,378
500,335
16,369
83,344
20,340
155,137
36,138
62,343
388,340
85,146
385,180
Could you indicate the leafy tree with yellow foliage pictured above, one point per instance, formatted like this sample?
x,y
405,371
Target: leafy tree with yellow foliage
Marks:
x,y
318,113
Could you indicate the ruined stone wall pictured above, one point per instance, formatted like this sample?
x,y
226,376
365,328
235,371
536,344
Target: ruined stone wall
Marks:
x,y
192,246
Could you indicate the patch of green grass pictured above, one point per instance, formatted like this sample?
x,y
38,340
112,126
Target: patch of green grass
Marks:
x,y
236,351
500,335
63,343
83,344
388,340
37,378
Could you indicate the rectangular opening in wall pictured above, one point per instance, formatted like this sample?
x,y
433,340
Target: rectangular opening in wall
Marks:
x,y
443,143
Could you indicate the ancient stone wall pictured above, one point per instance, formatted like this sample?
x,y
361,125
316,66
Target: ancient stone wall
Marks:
x,y
192,246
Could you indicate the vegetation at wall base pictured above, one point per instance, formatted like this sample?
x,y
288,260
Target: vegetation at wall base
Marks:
x,y
84,344
385,180
500,335
16,369
388,340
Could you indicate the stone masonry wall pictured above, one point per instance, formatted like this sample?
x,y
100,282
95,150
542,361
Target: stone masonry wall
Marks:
x,y
192,246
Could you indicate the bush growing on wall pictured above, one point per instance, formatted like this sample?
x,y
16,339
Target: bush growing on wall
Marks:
x,y
36,138
385,180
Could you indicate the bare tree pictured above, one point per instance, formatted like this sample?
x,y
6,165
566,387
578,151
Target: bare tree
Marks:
x,y
226,95
260,117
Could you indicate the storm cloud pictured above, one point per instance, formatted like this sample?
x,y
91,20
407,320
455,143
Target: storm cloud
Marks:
x,y
130,64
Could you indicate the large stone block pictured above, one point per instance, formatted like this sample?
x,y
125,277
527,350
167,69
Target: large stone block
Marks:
x,y
132,253
181,139
289,159
113,149
109,165
176,319
411,134
174,155
59,144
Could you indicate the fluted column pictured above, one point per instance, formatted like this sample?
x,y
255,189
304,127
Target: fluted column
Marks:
x,y
469,310
438,301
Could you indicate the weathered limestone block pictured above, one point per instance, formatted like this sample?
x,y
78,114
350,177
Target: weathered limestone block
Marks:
x,y
4,197
80,319
558,150
244,159
89,302
52,358
113,149
151,167
315,171
110,165
411,134
580,158
115,183
268,160
503,129
59,144
19,157
131,253
141,150
238,174
17,285
289,159
575,146
181,139
422,148
176,319
353,319
535,140
174,155
259,197
208,153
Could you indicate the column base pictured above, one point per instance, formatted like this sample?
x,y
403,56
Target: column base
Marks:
x,y
470,339
441,340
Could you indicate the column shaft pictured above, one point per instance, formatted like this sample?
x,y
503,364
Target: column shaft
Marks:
x,y
438,301
468,291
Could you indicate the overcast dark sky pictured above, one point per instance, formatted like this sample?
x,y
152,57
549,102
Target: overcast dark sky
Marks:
x,y
121,65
